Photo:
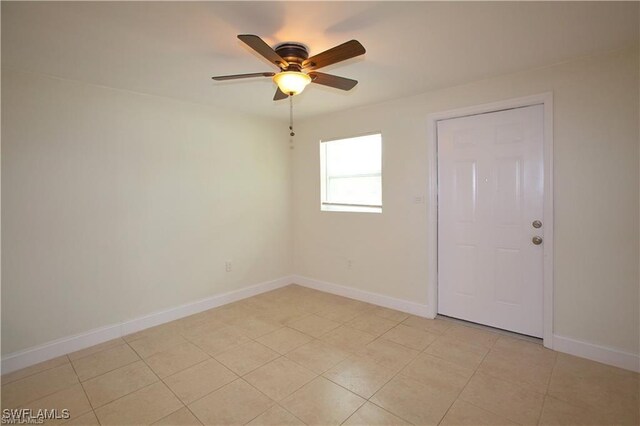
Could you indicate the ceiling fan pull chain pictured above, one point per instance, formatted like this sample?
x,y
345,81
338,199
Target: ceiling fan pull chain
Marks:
x,y
291,116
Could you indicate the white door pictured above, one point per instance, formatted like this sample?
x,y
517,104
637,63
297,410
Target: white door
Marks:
x,y
490,192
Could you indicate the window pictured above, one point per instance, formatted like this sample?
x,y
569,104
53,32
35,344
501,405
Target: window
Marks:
x,y
351,174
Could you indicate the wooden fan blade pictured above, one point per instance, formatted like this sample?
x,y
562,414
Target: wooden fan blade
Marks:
x,y
259,45
345,51
237,76
332,81
279,95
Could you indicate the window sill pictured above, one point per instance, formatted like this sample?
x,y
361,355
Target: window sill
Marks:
x,y
353,208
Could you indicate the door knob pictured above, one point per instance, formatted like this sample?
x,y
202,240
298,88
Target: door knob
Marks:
x,y
537,240
536,224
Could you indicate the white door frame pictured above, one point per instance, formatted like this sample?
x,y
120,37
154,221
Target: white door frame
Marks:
x,y
545,99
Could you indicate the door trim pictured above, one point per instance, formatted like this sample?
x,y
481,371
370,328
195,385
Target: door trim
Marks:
x,y
545,99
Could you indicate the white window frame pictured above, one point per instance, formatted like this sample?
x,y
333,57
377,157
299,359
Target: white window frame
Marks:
x,y
348,207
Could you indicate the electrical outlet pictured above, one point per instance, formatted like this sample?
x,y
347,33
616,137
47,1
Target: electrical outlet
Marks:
x,y
349,263
228,266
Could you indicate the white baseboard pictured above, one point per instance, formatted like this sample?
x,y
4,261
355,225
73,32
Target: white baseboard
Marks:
x,y
363,296
567,345
65,345
602,354
84,340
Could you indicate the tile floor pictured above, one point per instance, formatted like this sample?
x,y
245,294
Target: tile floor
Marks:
x,y
297,356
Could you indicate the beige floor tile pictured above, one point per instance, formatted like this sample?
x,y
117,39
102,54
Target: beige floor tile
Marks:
x,y
413,401
281,314
504,398
182,417
435,326
199,380
589,384
270,305
341,313
372,324
458,351
104,361
230,312
37,368
192,321
314,325
262,303
220,340
317,356
334,299
322,402
151,345
441,373
143,406
72,399
284,316
390,314
246,357
360,375
279,378
96,348
310,304
284,340
348,339
276,416
36,386
556,412
410,337
511,377
234,404
117,383
176,359
472,335
355,304
255,327
87,419
372,415
527,352
510,367
388,354
200,328
464,414
624,380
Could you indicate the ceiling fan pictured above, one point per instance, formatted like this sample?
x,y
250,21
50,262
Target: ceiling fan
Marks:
x,y
297,69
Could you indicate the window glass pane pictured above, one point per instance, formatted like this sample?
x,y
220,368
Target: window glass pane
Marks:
x,y
355,190
354,156
351,172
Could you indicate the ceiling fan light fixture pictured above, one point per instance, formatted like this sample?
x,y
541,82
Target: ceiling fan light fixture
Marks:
x,y
291,82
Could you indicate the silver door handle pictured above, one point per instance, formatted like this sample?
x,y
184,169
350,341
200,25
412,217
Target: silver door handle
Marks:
x,y
536,224
536,240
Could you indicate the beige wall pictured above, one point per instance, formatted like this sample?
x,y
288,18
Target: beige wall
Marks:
x,y
117,204
596,195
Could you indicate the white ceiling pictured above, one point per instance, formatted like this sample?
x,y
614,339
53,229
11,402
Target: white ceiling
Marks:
x,y
173,48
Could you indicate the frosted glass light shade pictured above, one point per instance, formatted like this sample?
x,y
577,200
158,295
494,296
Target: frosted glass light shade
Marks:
x,y
291,82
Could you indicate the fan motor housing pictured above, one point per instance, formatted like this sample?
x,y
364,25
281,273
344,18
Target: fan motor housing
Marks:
x,y
294,53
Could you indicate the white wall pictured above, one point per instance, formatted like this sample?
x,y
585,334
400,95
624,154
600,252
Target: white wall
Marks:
x,y
596,195
117,204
